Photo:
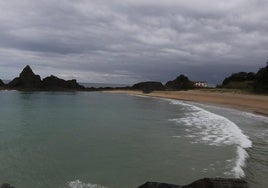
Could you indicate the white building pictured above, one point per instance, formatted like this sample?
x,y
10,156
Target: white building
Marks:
x,y
200,84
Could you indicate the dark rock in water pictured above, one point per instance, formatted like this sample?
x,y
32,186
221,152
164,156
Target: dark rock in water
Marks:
x,y
218,183
2,83
158,185
202,183
6,185
27,80
53,82
148,86
180,83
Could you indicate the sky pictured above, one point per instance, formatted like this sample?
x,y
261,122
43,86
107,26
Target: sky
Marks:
x,y
128,41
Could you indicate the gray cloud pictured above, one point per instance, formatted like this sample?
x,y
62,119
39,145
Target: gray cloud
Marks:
x,y
132,40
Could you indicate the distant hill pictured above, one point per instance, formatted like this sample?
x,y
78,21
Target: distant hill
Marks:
x,y
180,83
255,82
261,80
147,87
241,80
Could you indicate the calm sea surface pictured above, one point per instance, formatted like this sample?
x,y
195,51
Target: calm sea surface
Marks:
x,y
94,140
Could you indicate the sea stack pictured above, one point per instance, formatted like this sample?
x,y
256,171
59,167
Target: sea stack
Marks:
x,y
26,80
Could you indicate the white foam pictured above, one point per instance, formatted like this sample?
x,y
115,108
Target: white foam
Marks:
x,y
215,130
80,184
240,162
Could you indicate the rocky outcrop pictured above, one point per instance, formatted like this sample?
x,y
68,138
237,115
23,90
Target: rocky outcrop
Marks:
x,y
2,84
53,82
202,183
148,86
180,83
27,79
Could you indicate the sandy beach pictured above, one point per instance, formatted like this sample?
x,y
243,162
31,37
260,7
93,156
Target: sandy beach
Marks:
x,y
246,102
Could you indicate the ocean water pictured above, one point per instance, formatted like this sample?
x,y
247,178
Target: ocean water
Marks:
x,y
101,140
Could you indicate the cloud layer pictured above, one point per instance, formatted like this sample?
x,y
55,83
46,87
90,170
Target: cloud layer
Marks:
x,y
126,41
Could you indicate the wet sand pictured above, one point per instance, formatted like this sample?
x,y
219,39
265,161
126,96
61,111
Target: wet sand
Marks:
x,y
246,102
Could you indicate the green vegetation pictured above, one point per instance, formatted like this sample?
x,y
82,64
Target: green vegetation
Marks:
x,y
180,83
250,82
261,80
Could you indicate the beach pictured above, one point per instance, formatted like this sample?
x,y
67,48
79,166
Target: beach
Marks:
x,y
246,102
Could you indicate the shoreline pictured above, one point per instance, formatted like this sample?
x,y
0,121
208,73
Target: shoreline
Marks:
x,y
257,104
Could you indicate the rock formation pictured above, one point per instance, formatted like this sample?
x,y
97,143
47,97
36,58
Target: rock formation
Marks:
x,y
2,84
202,183
53,82
148,86
30,81
27,80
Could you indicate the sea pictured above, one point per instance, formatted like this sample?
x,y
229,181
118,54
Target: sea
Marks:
x,y
104,140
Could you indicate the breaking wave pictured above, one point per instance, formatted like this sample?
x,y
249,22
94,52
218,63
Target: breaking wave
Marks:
x,y
80,184
213,129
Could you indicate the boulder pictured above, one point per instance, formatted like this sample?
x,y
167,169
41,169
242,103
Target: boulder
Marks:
x,y
148,86
158,185
202,183
53,82
26,80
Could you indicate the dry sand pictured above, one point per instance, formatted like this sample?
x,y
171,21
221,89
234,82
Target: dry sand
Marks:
x,y
246,102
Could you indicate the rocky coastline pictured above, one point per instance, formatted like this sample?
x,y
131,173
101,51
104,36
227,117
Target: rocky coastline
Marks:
x,y
28,81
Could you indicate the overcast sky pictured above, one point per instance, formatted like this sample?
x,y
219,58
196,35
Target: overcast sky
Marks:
x,y
127,41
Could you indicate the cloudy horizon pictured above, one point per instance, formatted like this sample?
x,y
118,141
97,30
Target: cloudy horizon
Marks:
x,y
127,41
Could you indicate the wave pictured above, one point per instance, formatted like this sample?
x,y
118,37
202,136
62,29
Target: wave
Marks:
x,y
255,116
80,184
216,130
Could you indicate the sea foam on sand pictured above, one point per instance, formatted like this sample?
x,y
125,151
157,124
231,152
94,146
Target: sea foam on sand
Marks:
x,y
216,130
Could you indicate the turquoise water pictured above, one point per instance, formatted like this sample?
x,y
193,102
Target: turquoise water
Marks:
x,y
80,139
